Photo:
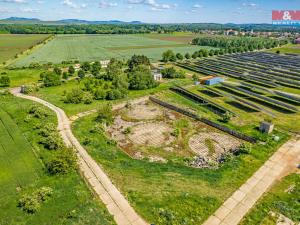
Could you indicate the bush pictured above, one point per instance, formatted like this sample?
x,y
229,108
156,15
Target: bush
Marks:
x,y
52,141
38,112
226,117
245,148
51,79
87,98
171,73
168,56
63,163
105,114
27,89
31,203
4,81
100,94
47,129
75,96
141,78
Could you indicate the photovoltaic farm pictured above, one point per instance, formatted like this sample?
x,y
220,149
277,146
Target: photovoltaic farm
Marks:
x,y
263,84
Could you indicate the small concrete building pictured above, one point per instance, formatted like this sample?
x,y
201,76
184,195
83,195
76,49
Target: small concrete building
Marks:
x,y
104,63
77,67
266,127
157,75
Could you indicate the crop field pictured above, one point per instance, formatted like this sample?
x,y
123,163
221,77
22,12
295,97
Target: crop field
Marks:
x,y
12,44
22,171
101,47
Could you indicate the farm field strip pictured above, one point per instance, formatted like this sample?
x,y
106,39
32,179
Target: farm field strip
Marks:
x,y
102,47
12,44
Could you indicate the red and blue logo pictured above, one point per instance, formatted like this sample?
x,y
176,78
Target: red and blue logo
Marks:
x,y
286,17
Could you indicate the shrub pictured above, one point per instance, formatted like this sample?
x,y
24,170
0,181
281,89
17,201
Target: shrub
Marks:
x,y
87,98
47,129
100,94
105,114
63,163
4,81
168,56
141,78
51,79
245,148
52,141
75,96
27,89
175,132
38,111
31,203
172,73
127,130
226,117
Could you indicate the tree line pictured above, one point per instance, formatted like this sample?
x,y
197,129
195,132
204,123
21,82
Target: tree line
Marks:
x,y
40,28
247,43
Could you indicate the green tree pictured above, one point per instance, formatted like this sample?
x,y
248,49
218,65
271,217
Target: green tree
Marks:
x,y
57,70
187,56
51,79
141,78
4,81
86,66
105,114
71,70
179,56
113,68
137,60
81,74
96,67
168,56
172,73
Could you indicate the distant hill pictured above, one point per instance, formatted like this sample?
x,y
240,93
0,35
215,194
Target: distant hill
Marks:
x,y
21,20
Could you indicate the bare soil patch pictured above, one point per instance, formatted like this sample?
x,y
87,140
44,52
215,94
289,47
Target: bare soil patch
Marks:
x,y
212,144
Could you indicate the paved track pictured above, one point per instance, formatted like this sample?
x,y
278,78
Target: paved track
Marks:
x,y
102,186
283,162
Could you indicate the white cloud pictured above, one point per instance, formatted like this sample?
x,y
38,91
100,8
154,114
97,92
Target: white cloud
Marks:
x,y
73,5
30,10
250,5
14,1
154,6
105,4
197,6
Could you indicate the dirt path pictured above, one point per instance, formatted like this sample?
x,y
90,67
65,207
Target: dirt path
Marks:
x,y
283,162
102,186
115,107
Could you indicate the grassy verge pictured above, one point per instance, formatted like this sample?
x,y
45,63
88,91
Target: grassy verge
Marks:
x,y
283,198
22,171
171,193
55,95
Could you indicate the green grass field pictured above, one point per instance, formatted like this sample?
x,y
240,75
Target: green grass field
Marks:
x,y
22,171
100,47
55,95
12,44
283,198
21,76
290,48
171,193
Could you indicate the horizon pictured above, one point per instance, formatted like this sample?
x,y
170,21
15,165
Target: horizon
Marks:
x,y
148,11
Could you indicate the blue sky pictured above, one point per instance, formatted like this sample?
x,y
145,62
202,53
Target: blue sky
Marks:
x,y
152,11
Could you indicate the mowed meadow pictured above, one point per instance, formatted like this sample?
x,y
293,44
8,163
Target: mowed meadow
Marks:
x,y
102,47
13,44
